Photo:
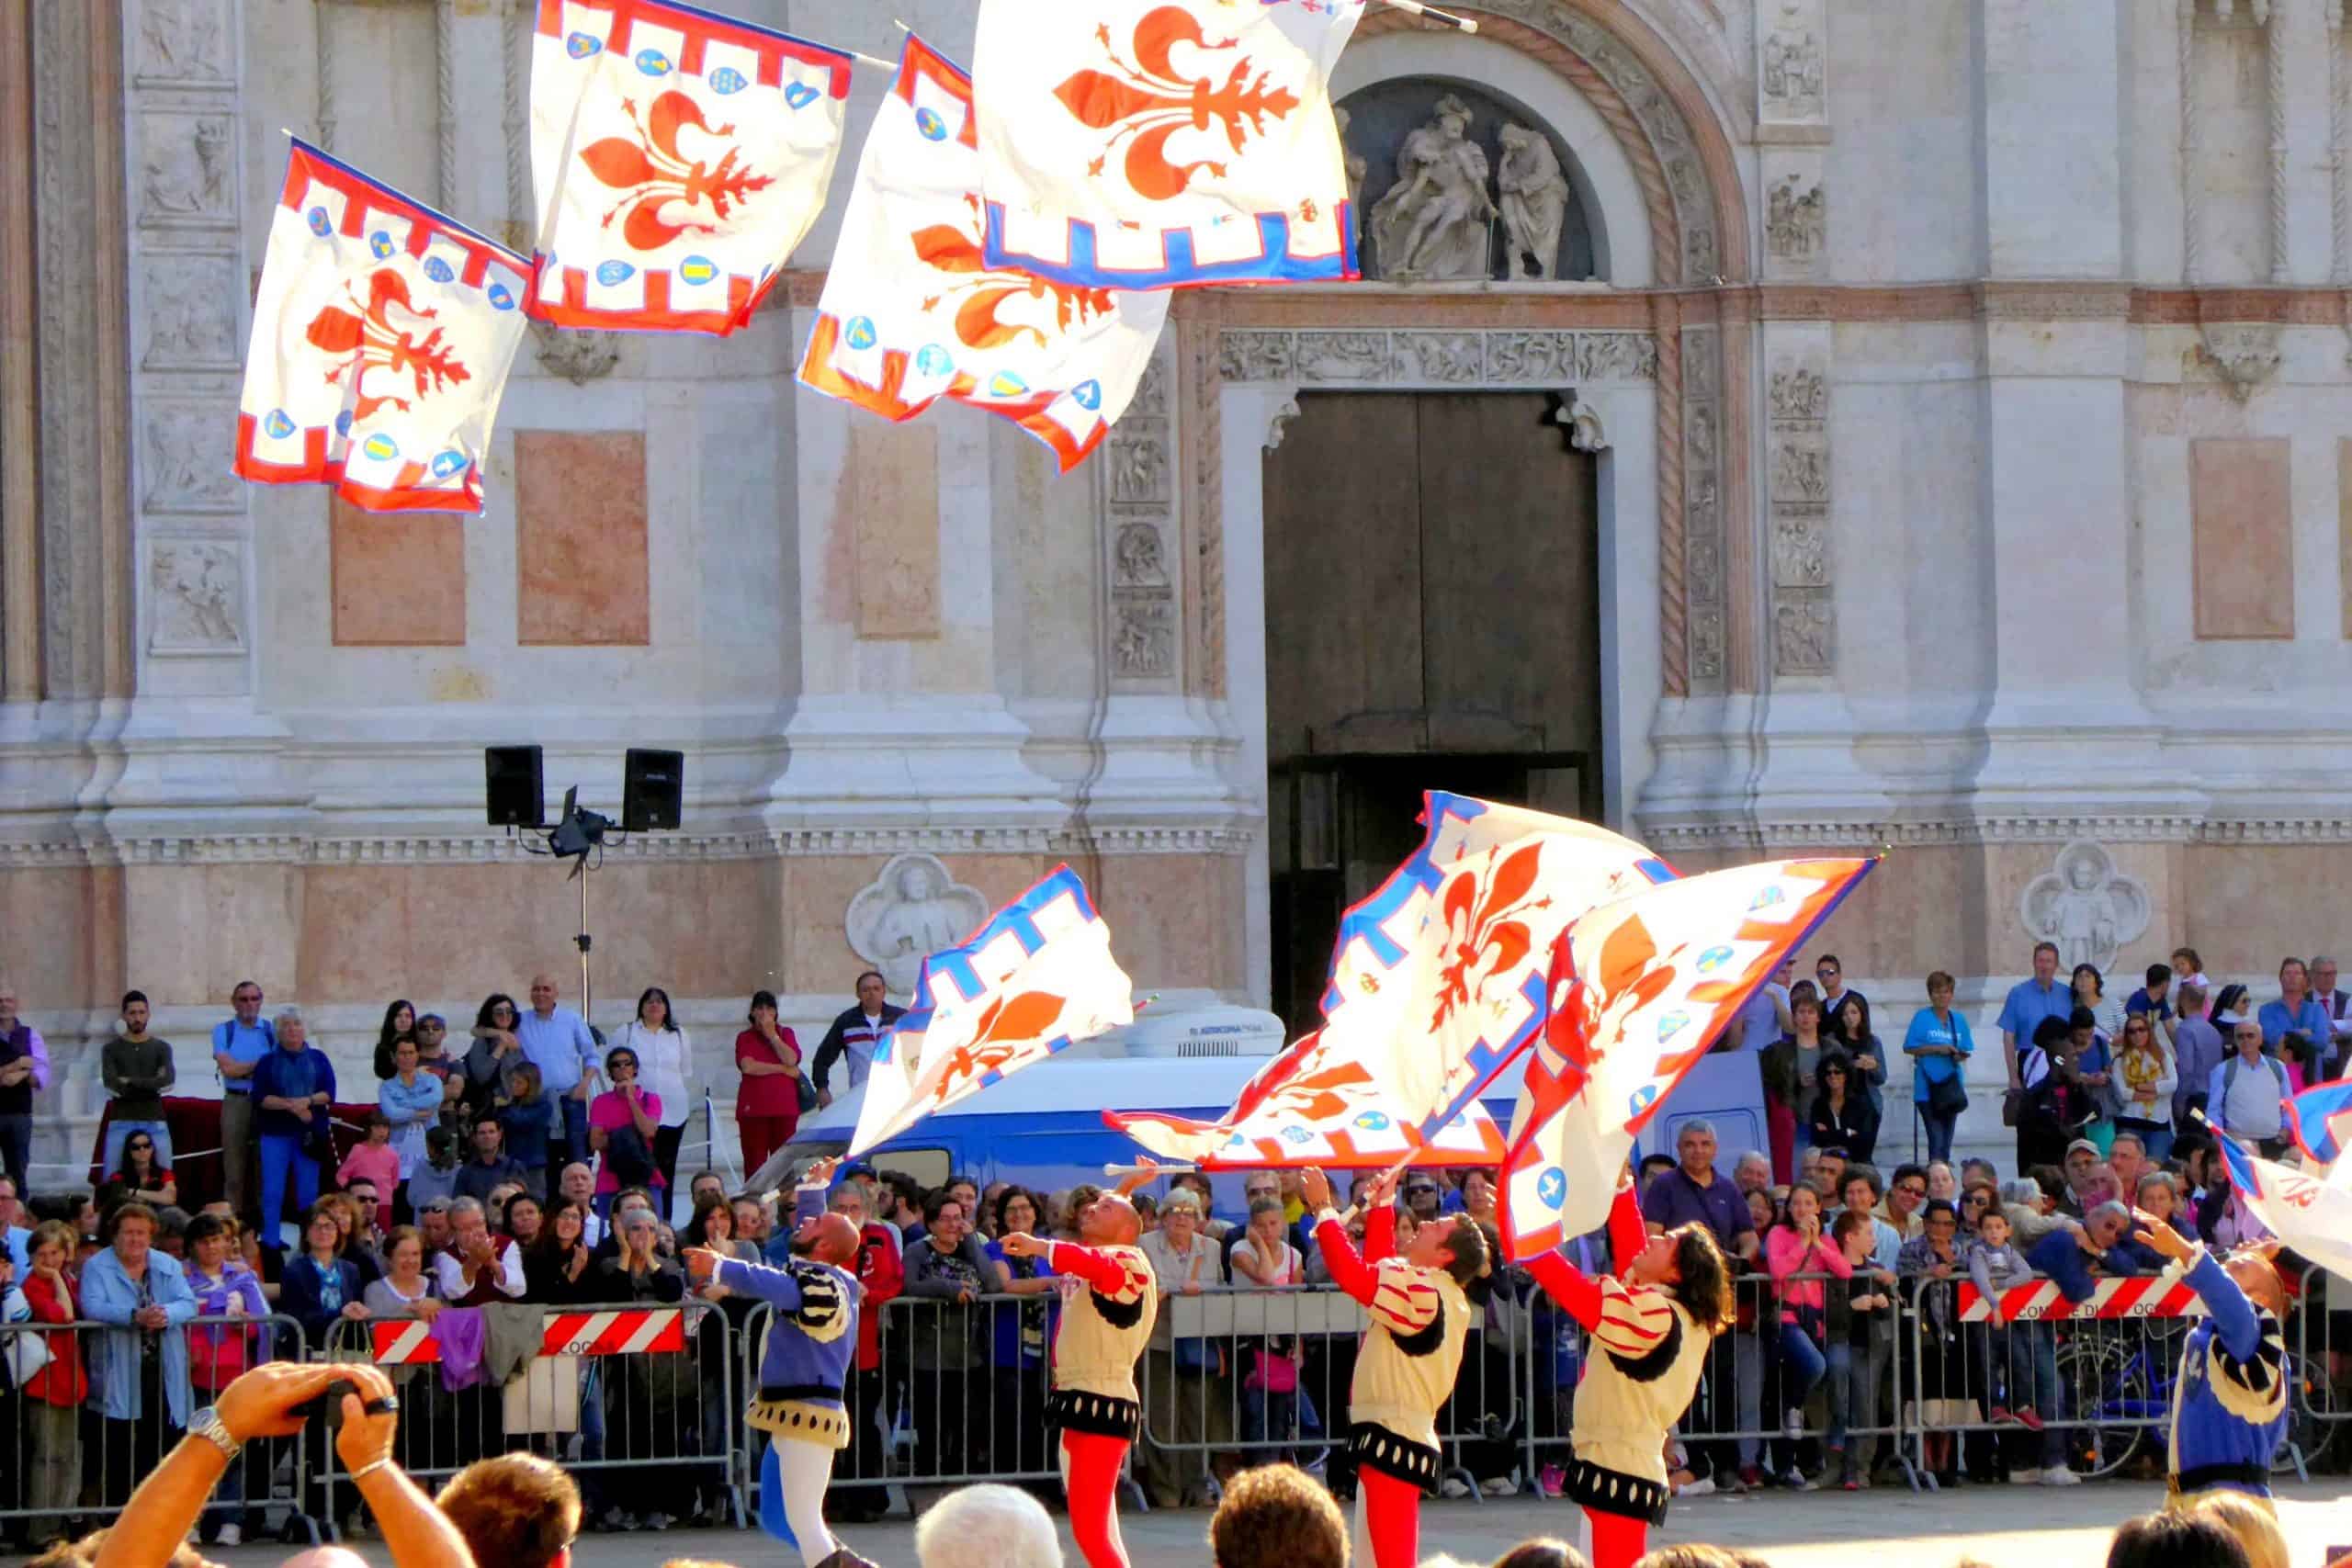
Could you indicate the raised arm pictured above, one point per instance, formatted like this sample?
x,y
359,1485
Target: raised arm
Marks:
x,y
1350,1273
1628,1235
1099,1270
1577,1292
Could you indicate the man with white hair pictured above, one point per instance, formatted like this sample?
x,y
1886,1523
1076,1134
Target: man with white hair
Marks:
x,y
1753,1173
987,1527
292,1088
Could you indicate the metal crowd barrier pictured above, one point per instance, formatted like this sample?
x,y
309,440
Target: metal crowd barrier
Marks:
x,y
645,1387
78,1463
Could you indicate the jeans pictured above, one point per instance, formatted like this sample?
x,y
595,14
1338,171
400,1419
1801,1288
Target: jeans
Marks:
x,y
1854,1373
237,1152
279,1153
1802,1365
17,1150
2155,1135
2032,1362
118,1131
1939,1129
575,1131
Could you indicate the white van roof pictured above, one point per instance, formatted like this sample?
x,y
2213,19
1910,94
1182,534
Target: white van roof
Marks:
x,y
1078,1083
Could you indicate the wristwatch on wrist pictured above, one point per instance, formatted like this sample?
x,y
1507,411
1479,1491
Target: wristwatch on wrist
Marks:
x,y
207,1424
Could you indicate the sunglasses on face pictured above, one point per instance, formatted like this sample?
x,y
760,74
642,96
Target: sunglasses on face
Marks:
x,y
1912,1190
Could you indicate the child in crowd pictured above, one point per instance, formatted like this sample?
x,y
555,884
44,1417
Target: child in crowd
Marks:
x,y
1993,1266
1861,1338
434,1177
525,1120
374,1160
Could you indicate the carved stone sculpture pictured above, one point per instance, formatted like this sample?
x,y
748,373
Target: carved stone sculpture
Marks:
x,y
1431,224
1534,202
2086,907
1796,218
909,912
579,357
1356,166
196,585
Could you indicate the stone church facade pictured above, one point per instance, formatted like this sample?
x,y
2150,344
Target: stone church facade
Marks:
x,y
1934,431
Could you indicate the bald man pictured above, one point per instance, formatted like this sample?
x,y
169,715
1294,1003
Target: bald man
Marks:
x,y
805,1363
1102,1333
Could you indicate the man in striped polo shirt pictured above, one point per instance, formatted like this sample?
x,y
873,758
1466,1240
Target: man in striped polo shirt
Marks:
x,y
853,1035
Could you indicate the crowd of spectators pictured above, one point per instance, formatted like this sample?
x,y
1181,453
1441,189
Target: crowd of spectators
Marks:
x,y
570,1146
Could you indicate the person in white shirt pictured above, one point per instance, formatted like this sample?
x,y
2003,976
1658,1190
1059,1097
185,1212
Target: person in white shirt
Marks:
x,y
576,1186
478,1268
665,1067
2243,1096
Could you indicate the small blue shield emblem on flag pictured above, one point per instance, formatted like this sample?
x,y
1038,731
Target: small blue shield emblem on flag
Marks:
x,y
929,121
1643,1099
1005,384
276,424
440,271
580,46
1672,1025
381,447
799,94
342,423
726,81
1766,899
1296,1134
381,242
1713,959
1089,395
448,464
321,224
934,360
697,269
1373,1122
614,272
501,297
1552,1187
859,333
652,61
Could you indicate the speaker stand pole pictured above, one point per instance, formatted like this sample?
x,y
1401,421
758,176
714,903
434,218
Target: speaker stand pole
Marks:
x,y
587,996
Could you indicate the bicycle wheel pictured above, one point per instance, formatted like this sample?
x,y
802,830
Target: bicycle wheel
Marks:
x,y
2311,1421
2103,1387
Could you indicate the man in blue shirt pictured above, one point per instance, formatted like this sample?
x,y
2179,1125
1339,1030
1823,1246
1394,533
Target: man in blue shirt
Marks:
x,y
2295,1009
238,1044
16,1235
2156,996
2030,1001
556,1041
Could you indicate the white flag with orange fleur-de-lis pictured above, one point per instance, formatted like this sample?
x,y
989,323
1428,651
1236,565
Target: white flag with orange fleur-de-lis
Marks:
x,y
910,314
677,157
382,334
1164,144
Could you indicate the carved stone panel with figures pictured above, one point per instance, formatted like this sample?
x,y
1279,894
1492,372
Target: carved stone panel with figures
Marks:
x,y
186,170
1459,185
188,312
185,41
196,591
181,465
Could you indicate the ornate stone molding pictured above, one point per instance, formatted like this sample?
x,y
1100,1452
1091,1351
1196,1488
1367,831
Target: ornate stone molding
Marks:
x,y
1796,403
1702,416
1139,535
465,848
2243,357
579,357
912,909
1473,357
1850,833
1582,421
2084,905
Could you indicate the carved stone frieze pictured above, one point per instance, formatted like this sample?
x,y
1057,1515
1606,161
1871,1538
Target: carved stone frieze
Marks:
x,y
1141,456
1800,549
1800,467
189,320
1797,494
1143,636
183,469
579,356
185,41
1796,218
1801,633
1703,518
1139,557
187,169
1140,469
1792,77
2243,357
195,596
1495,357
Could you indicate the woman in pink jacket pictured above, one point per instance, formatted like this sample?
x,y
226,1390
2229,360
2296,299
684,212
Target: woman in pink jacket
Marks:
x,y
1796,1246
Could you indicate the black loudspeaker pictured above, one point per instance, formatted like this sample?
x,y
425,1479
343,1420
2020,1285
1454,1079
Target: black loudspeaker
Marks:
x,y
511,784
649,792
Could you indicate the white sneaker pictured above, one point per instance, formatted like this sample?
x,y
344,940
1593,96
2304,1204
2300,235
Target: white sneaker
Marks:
x,y
1703,1487
1454,1486
1499,1486
2059,1475
230,1536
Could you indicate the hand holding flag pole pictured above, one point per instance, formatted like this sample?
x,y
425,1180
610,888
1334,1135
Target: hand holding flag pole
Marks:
x,y
1434,14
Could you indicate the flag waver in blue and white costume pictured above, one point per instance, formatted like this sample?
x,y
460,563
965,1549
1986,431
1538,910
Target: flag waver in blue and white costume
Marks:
x,y
2228,1411
805,1362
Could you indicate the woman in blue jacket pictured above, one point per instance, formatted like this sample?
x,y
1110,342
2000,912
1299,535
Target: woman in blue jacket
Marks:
x,y
142,1370
321,1285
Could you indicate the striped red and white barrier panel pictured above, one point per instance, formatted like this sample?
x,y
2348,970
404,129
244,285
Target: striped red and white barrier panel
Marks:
x,y
620,1332
2040,1299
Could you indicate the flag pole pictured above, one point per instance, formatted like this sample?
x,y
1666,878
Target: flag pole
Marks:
x,y
1433,14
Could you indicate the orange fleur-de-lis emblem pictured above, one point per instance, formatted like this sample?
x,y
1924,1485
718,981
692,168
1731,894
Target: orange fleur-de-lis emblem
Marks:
x,y
373,341
655,172
1007,1025
1147,98
1484,931
983,292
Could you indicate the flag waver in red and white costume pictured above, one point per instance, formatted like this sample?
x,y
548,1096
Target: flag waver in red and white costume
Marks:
x,y
1109,1305
1649,1353
1405,1371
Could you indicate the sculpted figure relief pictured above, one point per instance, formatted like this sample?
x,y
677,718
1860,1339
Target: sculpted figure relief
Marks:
x,y
1534,202
1432,223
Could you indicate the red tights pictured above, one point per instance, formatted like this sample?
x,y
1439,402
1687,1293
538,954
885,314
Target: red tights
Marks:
x,y
1091,1477
1392,1517
1617,1541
